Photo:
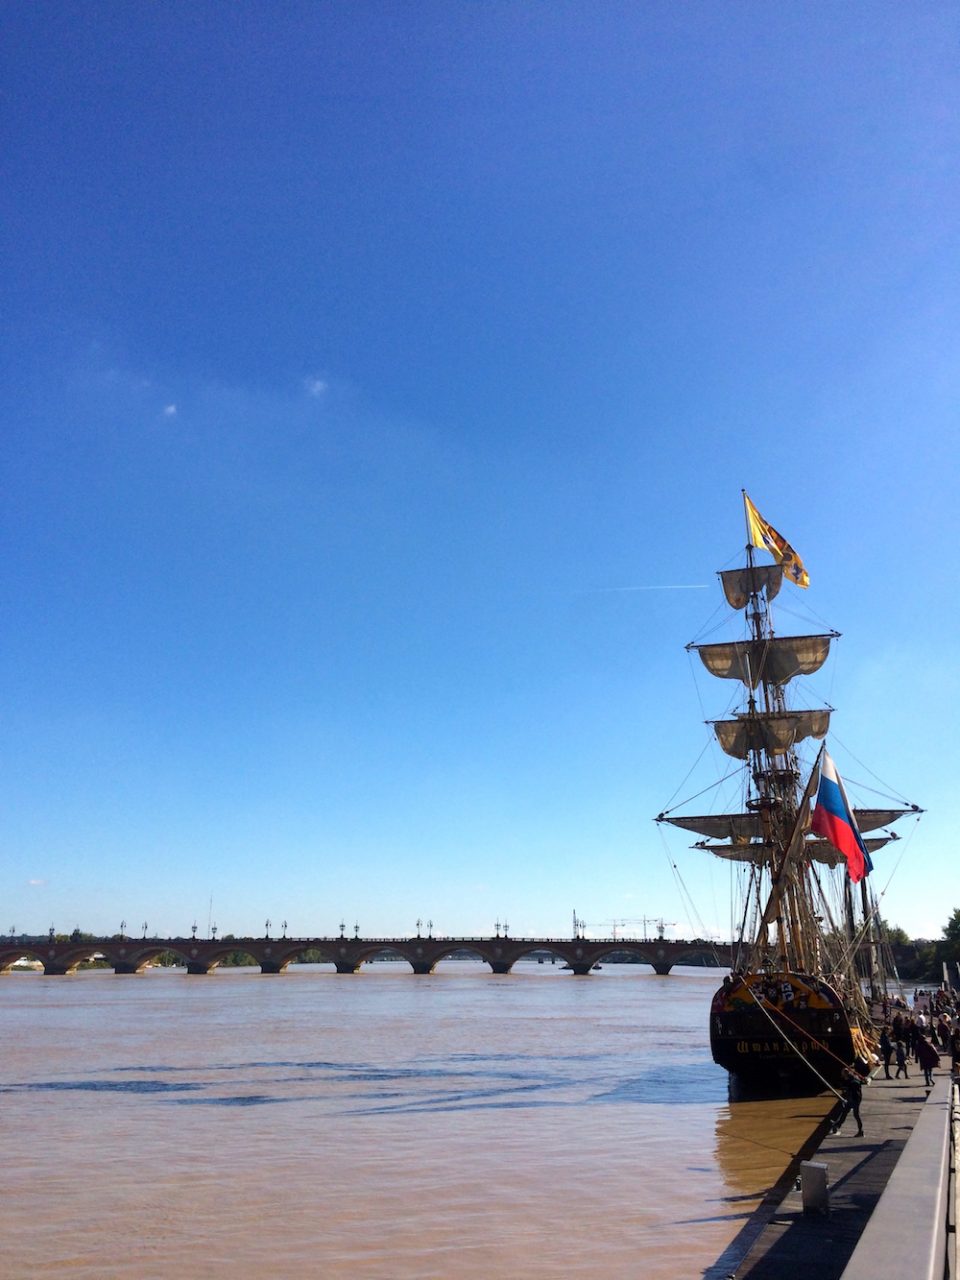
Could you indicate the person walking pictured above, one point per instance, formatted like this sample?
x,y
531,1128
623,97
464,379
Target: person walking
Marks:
x,y
901,1051
928,1058
943,1032
886,1050
852,1096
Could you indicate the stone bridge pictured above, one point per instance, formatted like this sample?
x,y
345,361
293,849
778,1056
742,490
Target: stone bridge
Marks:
x,y
133,955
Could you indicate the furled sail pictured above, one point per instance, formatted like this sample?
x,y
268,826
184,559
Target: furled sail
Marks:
x,y
739,583
774,732
741,828
872,819
773,661
760,852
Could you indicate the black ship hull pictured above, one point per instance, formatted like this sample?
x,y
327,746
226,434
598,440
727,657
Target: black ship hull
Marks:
x,y
789,1030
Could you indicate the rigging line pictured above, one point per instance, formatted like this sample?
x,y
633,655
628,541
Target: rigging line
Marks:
x,y
712,625
686,895
703,752
819,1043
780,1031
712,787
903,844
890,791
805,615
696,685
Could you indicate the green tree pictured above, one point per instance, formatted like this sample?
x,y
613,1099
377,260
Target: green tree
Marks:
x,y
893,933
951,937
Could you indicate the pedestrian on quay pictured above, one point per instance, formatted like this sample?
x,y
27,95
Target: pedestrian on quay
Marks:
x,y
901,1052
852,1096
886,1050
928,1058
955,1050
943,1032
914,1033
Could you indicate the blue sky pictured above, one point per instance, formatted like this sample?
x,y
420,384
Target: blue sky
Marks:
x,y
357,354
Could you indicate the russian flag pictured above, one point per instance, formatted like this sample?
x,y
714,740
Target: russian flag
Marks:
x,y
833,819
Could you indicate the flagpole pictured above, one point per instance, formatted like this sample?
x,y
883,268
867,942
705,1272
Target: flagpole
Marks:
x,y
746,521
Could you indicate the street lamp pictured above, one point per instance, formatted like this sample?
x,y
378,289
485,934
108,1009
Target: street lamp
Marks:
x,y
144,930
505,928
497,926
284,928
356,930
213,932
123,927
267,929
429,928
342,928
419,923
193,930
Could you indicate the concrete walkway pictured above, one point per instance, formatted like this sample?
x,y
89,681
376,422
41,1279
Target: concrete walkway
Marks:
x,y
782,1241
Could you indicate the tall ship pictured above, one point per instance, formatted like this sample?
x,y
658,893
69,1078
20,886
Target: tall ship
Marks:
x,y
811,967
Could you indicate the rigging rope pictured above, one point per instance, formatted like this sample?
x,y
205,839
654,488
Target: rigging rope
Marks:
x,y
806,1061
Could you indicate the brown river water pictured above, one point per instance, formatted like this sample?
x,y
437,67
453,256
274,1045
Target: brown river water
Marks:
x,y
377,1126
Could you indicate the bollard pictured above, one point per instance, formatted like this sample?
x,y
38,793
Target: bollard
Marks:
x,y
813,1187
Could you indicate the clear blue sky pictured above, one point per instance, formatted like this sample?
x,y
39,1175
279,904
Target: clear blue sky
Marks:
x,y
354,352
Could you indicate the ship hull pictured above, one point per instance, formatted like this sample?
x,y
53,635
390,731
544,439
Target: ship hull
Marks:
x,y
781,1029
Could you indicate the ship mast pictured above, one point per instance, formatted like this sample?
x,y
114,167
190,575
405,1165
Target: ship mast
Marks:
x,y
775,778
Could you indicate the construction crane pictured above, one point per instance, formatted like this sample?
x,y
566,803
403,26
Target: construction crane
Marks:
x,y
620,922
662,926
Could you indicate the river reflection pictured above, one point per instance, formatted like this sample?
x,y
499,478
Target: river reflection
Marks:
x,y
377,1125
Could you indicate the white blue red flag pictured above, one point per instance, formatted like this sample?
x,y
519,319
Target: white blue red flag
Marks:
x,y
833,819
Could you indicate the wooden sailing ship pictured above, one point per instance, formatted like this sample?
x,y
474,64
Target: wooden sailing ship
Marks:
x,y
797,1007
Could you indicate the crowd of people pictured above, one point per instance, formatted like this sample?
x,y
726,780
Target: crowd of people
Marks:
x,y
932,1029
918,1037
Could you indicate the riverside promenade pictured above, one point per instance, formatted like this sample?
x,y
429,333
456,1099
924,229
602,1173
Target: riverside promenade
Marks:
x,y
892,1195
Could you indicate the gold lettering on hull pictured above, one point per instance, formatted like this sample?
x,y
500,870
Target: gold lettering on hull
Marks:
x,y
766,1047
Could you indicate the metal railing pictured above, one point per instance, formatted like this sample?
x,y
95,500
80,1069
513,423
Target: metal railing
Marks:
x,y
912,1230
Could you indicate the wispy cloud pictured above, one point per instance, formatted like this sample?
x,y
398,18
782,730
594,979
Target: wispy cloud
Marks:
x,y
170,411
315,387
37,883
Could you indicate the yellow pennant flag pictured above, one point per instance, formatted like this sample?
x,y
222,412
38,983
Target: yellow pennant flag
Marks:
x,y
765,535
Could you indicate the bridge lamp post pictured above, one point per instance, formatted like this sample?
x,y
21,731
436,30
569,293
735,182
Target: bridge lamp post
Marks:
x,y
53,933
284,928
506,928
123,929
266,933
193,930
213,932
356,929
429,928
497,927
419,923
144,930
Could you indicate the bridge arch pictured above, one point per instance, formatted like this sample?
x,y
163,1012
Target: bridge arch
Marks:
x,y
390,953
461,951
55,958
10,955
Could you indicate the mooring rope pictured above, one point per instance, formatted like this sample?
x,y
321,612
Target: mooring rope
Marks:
x,y
762,1007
